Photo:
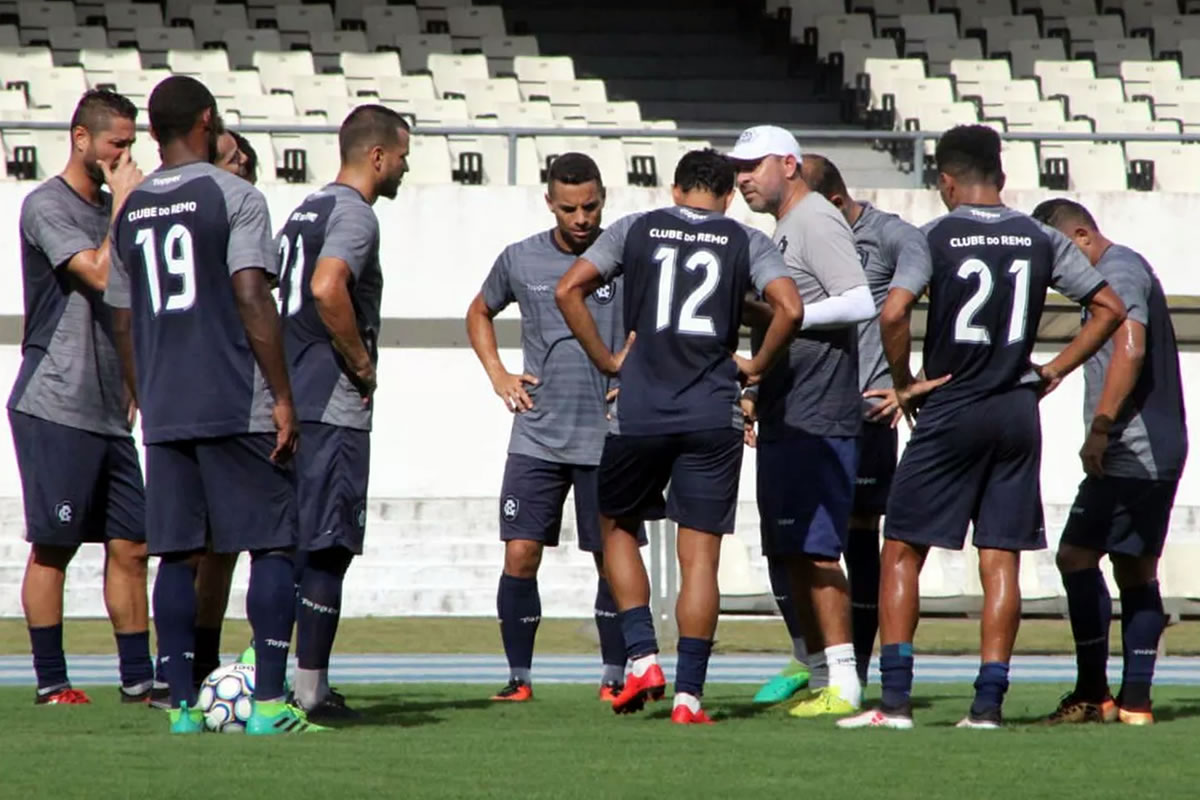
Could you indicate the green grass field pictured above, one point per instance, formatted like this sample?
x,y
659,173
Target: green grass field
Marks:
x,y
447,741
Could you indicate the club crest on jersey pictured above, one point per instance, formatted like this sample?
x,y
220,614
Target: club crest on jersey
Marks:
x,y
64,512
605,294
510,507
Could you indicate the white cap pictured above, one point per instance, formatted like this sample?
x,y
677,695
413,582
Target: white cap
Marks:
x,y
764,140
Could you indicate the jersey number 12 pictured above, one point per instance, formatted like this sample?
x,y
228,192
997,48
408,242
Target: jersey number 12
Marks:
x,y
291,267
689,320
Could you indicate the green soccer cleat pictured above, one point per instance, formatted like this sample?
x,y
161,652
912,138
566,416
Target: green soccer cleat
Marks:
x,y
186,720
783,686
271,719
247,656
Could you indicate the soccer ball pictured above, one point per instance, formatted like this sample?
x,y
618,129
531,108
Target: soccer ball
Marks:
x,y
227,698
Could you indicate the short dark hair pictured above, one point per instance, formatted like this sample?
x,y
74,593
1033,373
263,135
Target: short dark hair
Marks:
x,y
971,153
1061,211
824,177
705,169
574,169
368,126
98,106
250,165
175,105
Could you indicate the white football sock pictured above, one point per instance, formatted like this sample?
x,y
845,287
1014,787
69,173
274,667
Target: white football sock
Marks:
x,y
690,700
613,673
639,665
843,672
525,675
818,671
307,687
800,650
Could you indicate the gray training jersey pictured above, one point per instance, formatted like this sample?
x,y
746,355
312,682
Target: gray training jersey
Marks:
x,y
335,222
884,243
1148,439
814,389
70,373
567,424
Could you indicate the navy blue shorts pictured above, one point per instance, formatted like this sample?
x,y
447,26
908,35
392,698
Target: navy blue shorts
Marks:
x,y
1124,516
333,465
78,486
978,465
532,497
805,494
225,488
877,450
702,467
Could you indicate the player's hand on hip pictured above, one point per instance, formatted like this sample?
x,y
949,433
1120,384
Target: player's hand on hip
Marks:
x,y
749,417
131,411
915,391
511,389
1092,453
1050,378
287,433
123,178
888,410
618,359
610,397
364,382
748,371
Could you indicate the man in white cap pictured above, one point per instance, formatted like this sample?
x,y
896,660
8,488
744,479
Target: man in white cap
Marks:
x,y
809,409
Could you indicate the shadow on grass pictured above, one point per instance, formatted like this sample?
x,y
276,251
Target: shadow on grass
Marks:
x,y
399,711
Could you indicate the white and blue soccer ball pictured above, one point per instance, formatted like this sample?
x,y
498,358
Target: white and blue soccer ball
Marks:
x,y
227,698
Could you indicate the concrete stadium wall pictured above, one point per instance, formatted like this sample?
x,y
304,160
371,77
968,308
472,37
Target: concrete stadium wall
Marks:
x,y
441,434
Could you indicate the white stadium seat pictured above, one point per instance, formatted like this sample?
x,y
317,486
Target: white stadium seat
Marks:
x,y
1020,162
296,23
921,29
155,42
37,18
1032,115
1140,14
122,20
211,20
939,55
364,70
1027,52
501,51
972,14
65,43
1002,31
228,86
1140,77
1086,30
576,92
486,95
416,49
451,71
406,89
384,23
194,62
1171,29
104,60
242,44
855,54
429,160
833,29
1110,53
137,85
476,22
1121,117
997,94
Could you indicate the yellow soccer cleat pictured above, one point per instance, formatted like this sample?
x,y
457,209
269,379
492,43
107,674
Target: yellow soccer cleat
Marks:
x,y
825,701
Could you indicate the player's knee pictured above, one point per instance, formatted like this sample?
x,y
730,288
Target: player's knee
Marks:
x,y
864,522
522,558
128,557
51,556
283,554
1131,572
1074,559
189,557
333,560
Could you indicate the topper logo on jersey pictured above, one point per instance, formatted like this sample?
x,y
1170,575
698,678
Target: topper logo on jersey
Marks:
x,y
64,512
166,181
605,294
510,508
979,212
692,215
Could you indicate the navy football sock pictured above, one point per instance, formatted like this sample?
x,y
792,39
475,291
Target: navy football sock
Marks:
x,y
862,565
990,687
693,665
1090,608
520,609
133,658
612,643
175,623
896,675
781,588
208,653
49,661
320,606
271,607
637,629
1142,623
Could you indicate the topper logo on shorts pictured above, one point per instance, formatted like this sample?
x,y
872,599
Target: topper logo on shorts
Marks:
x,y
64,512
604,295
510,508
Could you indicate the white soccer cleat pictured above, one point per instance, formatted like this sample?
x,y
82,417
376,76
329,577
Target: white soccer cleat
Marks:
x,y
979,723
876,718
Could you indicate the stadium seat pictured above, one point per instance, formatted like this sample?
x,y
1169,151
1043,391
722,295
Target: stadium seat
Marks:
x,y
155,42
122,20
806,13
1020,162
210,21
296,23
574,92
479,159
921,29
1111,52
1092,167
1121,117
1001,31
833,29
364,70
416,49
12,100
938,55
450,71
1171,29
1170,94
1141,77
888,12
242,43
440,112
855,54
995,95
502,50
322,158
1086,30
884,73
350,14
944,116
65,43
1189,50
105,61
913,95
37,18
1034,115
527,114
328,46
429,161
608,154
195,62
1024,53
137,85
972,13
230,86
535,72
1085,94
468,25
1140,14
485,96
1057,10
406,89
969,71
265,108
9,36
48,86
275,82
294,62
314,103
619,114
384,23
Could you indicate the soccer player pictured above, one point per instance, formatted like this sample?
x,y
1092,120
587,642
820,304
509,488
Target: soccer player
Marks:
x,y
331,284
69,410
1133,457
883,241
200,336
559,424
687,270
976,450
248,158
809,409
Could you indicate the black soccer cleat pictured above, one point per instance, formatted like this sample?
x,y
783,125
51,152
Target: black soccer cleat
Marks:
x,y
332,709
160,697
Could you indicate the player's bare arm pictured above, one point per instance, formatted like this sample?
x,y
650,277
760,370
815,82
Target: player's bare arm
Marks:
x,y
482,332
787,315
331,292
1129,352
91,266
896,334
582,279
122,323
1106,312
265,335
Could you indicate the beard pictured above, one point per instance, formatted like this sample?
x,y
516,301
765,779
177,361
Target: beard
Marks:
x,y
389,188
92,167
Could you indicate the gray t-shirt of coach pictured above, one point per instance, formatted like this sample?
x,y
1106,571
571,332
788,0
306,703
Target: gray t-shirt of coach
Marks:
x,y
814,388
567,424
70,373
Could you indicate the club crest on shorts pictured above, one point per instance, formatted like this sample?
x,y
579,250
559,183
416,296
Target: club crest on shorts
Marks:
x,y
605,294
360,515
64,512
510,507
